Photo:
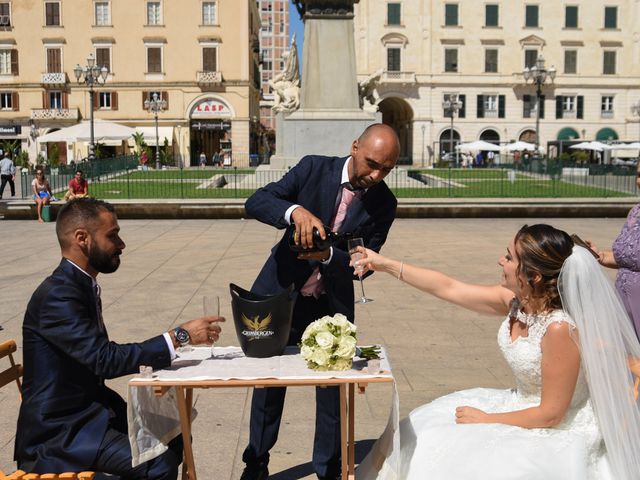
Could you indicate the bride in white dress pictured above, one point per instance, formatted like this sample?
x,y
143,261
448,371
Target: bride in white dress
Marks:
x,y
567,339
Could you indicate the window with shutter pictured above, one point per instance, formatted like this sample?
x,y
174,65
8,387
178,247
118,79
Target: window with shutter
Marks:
x,y
102,13
580,106
570,61
451,60
559,103
104,100
451,14
55,100
609,62
393,14
114,100
530,57
491,15
491,60
393,59
15,101
610,17
606,106
103,57
501,105
5,14
52,14
571,16
154,60
54,60
531,16
154,13
209,60
480,106
463,101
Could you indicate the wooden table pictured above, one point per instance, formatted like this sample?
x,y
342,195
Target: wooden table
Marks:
x,y
345,381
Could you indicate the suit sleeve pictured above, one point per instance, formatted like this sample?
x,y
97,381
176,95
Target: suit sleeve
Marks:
x,y
269,203
66,321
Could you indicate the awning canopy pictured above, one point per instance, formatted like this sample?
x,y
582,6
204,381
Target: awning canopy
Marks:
x,y
605,134
150,135
104,132
478,146
568,133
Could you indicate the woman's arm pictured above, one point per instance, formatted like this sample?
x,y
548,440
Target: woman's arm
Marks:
x,y
605,257
560,368
490,299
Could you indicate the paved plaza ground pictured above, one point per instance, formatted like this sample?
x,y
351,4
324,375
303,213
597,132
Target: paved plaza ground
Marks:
x,y
169,265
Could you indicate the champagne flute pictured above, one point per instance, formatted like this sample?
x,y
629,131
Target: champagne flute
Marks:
x,y
356,251
211,305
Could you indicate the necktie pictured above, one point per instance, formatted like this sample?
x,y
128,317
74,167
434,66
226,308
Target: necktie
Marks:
x,y
314,285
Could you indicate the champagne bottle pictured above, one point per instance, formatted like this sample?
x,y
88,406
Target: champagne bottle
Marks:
x,y
319,243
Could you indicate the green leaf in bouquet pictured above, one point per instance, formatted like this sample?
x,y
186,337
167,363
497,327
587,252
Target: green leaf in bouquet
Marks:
x,y
369,352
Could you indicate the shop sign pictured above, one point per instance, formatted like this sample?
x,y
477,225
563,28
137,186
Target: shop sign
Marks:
x,y
10,129
210,108
212,125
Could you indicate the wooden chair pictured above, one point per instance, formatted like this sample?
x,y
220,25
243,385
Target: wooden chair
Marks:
x,y
13,374
21,475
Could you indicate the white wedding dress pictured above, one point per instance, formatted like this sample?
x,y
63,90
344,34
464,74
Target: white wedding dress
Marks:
x,y
433,446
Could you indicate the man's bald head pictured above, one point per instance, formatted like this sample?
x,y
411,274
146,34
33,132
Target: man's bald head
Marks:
x,y
379,132
79,213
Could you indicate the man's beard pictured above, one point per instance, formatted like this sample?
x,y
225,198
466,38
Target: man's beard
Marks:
x,y
102,262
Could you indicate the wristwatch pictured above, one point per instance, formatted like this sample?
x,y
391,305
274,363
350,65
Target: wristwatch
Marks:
x,y
182,336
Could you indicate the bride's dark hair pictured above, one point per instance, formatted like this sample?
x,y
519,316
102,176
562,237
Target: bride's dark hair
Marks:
x,y
542,249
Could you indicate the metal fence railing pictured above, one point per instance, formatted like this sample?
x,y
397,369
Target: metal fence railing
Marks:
x,y
124,178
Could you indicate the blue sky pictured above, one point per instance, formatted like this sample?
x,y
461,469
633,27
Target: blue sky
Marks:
x,y
296,25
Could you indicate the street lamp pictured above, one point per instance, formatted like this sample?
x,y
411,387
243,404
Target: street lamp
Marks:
x,y
423,127
154,106
538,74
635,110
454,105
91,75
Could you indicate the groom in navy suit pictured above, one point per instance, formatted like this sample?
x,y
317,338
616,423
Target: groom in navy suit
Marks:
x,y
69,420
316,192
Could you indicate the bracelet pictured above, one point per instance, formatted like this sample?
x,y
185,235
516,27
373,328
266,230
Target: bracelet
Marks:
x,y
401,268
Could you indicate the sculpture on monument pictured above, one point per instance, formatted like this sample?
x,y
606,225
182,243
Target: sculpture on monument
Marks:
x,y
286,84
368,92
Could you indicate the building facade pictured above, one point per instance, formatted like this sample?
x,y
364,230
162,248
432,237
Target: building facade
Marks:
x,y
200,56
274,45
426,51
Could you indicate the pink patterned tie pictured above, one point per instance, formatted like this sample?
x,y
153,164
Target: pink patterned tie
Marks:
x,y
314,285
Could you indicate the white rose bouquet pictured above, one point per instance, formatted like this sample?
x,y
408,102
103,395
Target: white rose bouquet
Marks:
x,y
329,343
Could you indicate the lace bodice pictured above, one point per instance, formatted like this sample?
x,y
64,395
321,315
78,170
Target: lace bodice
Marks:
x,y
524,356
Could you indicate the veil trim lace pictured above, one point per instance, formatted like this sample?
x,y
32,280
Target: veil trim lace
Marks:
x,y
608,345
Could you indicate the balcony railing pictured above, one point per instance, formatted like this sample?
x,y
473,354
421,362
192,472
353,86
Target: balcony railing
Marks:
x,y
398,77
209,77
58,78
54,114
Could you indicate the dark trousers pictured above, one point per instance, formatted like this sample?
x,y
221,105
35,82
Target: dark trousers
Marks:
x,y
114,457
267,405
3,183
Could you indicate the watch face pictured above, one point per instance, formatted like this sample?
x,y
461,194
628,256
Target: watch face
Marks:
x,y
182,336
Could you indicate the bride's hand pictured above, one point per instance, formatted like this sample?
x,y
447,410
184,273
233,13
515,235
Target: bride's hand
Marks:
x,y
471,415
370,261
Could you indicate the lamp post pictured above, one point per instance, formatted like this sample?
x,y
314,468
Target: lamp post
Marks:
x,y
538,74
423,127
635,110
179,139
154,106
90,76
454,106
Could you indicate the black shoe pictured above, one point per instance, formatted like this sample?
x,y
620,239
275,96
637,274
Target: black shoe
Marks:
x,y
255,472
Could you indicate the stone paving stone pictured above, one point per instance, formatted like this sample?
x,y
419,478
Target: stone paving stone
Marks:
x,y
169,265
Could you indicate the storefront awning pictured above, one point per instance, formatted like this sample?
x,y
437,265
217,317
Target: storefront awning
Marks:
x,y
568,133
605,134
150,135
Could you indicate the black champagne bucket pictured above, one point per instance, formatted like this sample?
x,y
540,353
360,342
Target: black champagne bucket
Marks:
x,y
263,322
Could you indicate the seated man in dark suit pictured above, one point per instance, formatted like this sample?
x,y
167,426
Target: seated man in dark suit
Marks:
x,y
69,420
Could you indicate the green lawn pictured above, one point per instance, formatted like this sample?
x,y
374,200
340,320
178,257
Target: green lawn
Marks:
x,y
466,183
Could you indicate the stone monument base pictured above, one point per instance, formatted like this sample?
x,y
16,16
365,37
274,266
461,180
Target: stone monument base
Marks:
x,y
318,132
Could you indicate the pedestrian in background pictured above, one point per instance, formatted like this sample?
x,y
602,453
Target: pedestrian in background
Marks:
x,y
8,174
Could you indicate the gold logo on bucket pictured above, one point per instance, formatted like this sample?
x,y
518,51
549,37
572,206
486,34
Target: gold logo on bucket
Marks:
x,y
256,328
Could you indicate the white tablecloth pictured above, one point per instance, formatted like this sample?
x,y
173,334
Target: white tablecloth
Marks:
x,y
154,421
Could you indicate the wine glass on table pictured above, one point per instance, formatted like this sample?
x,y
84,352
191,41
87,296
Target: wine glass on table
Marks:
x,y
211,307
357,252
